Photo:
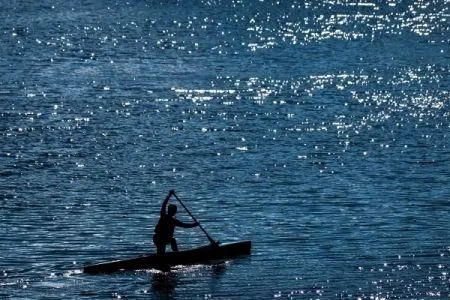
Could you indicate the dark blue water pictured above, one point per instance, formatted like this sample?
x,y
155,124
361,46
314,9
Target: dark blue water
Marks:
x,y
319,130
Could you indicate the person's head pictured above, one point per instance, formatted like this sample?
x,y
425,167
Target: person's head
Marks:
x,y
172,210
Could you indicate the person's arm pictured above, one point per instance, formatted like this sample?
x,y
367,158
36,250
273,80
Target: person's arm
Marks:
x,y
185,225
164,205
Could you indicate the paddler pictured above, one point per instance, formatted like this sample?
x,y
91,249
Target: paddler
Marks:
x,y
166,226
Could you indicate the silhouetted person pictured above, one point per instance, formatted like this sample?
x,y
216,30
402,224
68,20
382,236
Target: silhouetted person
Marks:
x,y
166,226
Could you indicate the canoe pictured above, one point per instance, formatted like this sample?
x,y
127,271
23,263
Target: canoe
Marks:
x,y
201,255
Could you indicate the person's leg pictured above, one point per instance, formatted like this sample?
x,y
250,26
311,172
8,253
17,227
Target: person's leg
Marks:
x,y
160,246
173,244
160,249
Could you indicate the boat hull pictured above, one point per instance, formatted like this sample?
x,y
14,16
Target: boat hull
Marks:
x,y
202,255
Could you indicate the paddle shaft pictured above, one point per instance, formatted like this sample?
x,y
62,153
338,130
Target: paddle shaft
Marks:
x,y
211,240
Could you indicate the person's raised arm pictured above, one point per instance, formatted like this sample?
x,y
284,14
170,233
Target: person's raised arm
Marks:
x,y
164,205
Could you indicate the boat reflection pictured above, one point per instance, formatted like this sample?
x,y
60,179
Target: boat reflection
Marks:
x,y
218,270
163,284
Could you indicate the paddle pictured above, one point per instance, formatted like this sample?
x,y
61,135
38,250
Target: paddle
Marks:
x,y
211,240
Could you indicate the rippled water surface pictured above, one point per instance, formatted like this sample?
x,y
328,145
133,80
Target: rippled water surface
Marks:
x,y
317,129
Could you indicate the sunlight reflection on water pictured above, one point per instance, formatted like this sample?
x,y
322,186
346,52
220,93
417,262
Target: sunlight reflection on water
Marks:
x,y
316,129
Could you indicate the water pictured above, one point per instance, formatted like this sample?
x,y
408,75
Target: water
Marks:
x,y
319,130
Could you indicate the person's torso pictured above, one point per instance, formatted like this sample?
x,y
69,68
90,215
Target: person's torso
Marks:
x,y
165,226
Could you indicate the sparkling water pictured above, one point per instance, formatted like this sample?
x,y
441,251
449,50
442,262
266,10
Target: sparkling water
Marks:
x,y
319,130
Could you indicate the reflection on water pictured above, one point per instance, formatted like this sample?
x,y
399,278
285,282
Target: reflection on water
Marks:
x,y
164,284
217,270
317,129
